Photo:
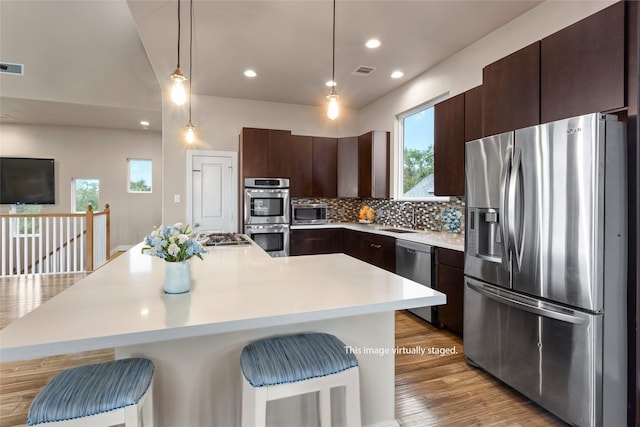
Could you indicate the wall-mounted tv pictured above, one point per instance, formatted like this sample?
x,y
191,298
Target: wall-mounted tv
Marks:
x,y
27,181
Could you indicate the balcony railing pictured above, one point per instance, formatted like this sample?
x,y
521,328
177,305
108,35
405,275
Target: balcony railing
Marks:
x,y
54,243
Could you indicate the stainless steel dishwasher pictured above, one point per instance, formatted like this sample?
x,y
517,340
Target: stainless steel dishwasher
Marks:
x,y
415,261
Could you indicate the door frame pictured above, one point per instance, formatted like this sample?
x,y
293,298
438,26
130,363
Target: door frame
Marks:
x,y
234,179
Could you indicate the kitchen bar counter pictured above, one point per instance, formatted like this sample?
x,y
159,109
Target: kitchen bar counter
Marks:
x,y
238,294
440,239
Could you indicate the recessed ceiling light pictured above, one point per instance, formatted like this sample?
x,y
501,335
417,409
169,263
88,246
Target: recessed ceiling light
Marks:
x,y
250,73
331,83
372,43
144,123
397,74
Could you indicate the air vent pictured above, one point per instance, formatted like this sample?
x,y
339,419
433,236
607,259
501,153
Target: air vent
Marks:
x,y
363,70
8,68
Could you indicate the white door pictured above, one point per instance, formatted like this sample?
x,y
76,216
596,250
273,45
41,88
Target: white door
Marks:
x,y
213,194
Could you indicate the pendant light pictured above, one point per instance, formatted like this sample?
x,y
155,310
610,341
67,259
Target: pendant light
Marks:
x,y
177,91
333,111
190,135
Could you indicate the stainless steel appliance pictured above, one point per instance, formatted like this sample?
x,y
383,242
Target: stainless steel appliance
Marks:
x,y
266,214
223,239
266,201
308,213
273,238
415,261
545,265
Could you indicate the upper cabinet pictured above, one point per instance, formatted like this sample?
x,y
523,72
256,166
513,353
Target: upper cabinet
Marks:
x,y
448,146
511,91
473,114
301,152
373,164
324,170
582,67
347,170
253,153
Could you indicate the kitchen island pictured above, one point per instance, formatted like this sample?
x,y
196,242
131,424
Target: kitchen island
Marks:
x,y
239,294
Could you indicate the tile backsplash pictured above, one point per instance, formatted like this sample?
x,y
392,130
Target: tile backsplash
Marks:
x,y
419,215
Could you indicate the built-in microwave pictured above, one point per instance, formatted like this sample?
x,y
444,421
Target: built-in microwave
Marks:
x,y
308,213
266,201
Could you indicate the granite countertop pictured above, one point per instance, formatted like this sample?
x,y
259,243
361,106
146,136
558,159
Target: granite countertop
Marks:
x,y
440,239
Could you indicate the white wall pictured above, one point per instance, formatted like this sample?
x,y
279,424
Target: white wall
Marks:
x,y
218,124
463,70
95,153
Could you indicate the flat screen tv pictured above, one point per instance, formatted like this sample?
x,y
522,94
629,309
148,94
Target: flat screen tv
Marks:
x,y
27,181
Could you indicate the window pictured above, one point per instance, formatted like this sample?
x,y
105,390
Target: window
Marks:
x,y
416,151
139,176
85,192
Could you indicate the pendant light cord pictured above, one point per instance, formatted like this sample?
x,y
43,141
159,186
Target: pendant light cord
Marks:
x,y
190,53
333,63
178,66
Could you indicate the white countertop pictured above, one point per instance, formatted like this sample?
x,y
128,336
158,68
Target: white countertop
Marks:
x,y
233,289
440,239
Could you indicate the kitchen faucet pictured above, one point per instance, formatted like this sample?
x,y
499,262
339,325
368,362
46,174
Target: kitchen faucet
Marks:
x,y
413,212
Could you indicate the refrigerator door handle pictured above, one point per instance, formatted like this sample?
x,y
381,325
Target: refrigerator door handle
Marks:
x,y
503,219
516,240
527,304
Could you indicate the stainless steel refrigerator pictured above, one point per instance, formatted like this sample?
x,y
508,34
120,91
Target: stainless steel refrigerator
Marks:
x,y
545,265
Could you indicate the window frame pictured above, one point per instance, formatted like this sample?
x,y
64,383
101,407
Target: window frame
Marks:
x,y
129,190
399,163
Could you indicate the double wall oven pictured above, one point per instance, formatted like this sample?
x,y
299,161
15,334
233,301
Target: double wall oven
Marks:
x,y
266,214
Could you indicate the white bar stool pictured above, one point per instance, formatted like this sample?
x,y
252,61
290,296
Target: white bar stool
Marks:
x,y
290,365
97,395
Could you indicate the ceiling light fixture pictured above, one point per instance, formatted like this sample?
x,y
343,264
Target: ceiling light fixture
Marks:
x,y
177,91
372,43
330,83
250,73
397,74
333,111
190,135
144,123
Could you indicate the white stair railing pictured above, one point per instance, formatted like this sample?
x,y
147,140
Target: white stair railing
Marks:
x,y
54,243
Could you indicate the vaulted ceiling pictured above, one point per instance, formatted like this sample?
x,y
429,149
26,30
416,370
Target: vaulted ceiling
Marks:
x,y
104,63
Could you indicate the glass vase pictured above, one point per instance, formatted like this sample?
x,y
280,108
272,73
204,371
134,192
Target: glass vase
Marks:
x,y
177,279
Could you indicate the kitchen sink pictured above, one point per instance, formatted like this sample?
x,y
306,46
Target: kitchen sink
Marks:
x,y
397,230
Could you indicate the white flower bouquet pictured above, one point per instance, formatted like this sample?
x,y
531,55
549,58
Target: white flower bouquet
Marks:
x,y
172,244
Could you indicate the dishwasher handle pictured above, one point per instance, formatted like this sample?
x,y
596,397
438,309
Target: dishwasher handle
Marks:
x,y
413,247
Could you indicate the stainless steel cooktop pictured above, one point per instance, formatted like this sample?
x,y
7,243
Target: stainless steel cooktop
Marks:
x,y
223,239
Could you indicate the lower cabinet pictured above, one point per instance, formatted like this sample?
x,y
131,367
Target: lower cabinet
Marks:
x,y
378,250
450,281
315,242
371,248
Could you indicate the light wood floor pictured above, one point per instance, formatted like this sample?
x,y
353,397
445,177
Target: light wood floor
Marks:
x,y
431,390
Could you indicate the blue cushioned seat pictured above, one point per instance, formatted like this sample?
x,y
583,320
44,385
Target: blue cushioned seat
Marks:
x,y
294,358
92,389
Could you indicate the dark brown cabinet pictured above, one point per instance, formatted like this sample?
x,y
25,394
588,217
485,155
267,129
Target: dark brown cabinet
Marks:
x,y
450,281
373,164
378,250
473,114
325,167
511,91
316,241
279,153
301,150
582,67
448,146
348,167
253,153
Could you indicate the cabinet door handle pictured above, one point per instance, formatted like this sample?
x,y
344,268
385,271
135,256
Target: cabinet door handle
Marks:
x,y
375,246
